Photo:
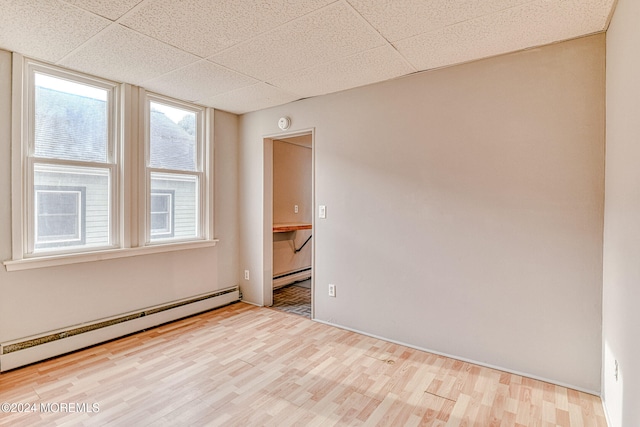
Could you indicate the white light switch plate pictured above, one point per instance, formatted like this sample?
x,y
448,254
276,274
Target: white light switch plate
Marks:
x,y
322,211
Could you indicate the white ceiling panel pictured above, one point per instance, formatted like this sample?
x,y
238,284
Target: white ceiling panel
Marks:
x,y
121,54
397,20
329,34
244,55
363,68
532,24
250,98
45,29
204,27
112,9
200,80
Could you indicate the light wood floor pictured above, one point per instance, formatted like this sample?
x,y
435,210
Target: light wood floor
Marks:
x,y
248,366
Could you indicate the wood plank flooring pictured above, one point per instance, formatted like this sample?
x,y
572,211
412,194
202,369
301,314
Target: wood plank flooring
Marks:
x,y
249,366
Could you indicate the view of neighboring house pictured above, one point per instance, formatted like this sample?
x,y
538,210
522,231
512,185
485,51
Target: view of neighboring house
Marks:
x,y
74,127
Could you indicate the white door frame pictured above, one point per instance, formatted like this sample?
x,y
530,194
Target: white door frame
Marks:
x,y
267,215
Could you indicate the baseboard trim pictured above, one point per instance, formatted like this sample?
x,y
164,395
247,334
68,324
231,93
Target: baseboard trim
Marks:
x,y
34,349
462,359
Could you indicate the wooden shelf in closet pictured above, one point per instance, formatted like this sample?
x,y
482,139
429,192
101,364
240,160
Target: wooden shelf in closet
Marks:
x,y
290,226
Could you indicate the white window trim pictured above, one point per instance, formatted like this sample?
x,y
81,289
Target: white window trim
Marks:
x,y
204,164
130,130
101,255
22,175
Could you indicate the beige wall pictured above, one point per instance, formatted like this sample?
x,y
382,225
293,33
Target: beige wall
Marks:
x,y
464,209
40,300
291,186
621,294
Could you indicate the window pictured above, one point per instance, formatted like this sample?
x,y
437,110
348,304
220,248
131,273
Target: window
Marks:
x,y
174,170
70,161
86,186
162,213
60,216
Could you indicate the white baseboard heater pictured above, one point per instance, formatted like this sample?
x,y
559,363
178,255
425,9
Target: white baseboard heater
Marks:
x,y
291,277
22,352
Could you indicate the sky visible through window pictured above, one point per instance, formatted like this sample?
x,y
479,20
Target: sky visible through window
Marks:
x,y
174,114
67,86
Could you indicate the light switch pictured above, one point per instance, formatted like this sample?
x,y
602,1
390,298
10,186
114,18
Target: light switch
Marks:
x,y
322,211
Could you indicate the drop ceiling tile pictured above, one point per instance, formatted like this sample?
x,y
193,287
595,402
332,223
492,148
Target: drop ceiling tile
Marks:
x,y
200,80
250,98
398,20
112,9
379,64
204,27
45,29
123,55
326,35
533,24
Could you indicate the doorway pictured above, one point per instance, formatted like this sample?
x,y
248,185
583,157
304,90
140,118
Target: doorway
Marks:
x,y
289,211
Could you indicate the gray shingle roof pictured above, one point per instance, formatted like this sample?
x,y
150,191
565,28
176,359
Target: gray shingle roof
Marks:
x,y
70,127
74,127
171,146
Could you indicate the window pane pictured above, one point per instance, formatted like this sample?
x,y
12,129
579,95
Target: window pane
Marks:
x,y
162,214
72,207
71,120
160,202
58,214
160,223
183,213
172,138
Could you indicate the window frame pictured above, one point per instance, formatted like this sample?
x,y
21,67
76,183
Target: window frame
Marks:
x,y
25,246
127,177
203,151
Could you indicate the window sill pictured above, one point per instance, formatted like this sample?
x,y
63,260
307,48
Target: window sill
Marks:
x,y
56,260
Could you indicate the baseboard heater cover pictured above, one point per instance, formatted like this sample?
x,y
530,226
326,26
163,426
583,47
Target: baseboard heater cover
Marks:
x,y
19,353
291,277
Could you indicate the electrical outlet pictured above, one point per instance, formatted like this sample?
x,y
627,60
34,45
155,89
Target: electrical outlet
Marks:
x,y
617,370
332,290
246,275
295,209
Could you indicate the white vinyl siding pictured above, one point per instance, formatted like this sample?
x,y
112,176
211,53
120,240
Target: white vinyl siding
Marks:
x,y
96,186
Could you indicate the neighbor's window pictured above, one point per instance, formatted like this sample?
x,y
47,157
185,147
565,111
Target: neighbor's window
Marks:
x,y
162,213
70,161
60,216
174,170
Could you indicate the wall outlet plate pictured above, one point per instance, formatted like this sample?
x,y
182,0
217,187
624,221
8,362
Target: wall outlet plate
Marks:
x,y
246,275
332,290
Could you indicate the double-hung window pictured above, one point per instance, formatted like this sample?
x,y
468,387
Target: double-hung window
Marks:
x,y
174,171
70,168
104,170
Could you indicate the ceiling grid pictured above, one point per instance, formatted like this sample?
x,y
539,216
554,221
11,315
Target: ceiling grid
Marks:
x,y
247,55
